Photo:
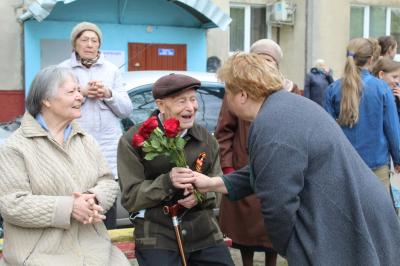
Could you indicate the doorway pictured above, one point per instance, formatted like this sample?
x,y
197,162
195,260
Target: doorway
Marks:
x,y
155,56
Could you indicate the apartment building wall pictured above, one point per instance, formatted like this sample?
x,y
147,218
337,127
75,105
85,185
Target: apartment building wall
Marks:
x,y
217,39
11,90
328,28
321,30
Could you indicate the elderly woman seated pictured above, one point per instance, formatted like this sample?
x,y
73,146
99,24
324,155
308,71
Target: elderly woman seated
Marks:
x,y
55,183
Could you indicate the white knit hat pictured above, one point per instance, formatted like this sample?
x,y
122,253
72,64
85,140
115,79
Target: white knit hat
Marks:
x,y
84,26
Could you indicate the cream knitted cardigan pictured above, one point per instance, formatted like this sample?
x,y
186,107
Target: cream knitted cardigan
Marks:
x,y
37,179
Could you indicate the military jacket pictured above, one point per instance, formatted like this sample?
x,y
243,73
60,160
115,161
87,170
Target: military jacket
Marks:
x,y
147,185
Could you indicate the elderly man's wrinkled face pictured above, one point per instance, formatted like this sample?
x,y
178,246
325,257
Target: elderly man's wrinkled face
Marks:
x,y
87,45
182,106
66,104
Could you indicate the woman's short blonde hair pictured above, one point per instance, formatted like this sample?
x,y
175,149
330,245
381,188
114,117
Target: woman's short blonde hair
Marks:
x,y
250,73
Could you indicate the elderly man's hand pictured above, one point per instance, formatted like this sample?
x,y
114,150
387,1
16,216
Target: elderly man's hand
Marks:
x,y
182,178
189,202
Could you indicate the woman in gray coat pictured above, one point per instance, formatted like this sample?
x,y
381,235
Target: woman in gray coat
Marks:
x,y
321,203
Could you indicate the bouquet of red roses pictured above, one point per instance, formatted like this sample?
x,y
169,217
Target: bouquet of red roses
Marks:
x,y
155,142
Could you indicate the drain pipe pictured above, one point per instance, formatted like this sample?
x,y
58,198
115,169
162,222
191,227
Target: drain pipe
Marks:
x,y
310,33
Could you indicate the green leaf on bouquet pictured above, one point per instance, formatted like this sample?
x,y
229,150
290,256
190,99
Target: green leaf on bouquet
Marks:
x,y
155,144
200,197
164,142
147,149
150,156
180,143
146,144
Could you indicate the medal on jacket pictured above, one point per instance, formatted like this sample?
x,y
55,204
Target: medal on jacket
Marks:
x,y
199,162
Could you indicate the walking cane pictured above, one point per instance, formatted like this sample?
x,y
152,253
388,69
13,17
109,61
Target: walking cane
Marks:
x,y
173,212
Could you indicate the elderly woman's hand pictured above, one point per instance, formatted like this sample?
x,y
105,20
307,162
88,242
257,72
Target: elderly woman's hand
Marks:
x,y
96,89
102,91
90,90
86,210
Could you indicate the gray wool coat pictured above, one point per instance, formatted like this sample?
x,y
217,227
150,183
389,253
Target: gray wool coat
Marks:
x,y
321,203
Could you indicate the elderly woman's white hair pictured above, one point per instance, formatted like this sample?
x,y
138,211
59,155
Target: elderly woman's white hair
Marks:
x,y
320,63
45,86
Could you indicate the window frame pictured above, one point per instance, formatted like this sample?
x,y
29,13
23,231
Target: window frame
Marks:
x,y
247,25
366,28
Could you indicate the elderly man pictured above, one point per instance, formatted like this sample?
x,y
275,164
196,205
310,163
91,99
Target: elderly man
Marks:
x,y
148,186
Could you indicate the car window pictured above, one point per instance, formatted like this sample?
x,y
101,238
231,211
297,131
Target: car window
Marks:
x,y
210,101
209,98
143,104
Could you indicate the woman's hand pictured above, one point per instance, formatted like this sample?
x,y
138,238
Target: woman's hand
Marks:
x,y
85,209
102,91
96,89
91,90
204,183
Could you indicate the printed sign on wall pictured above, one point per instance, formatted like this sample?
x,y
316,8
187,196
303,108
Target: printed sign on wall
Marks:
x,y
166,51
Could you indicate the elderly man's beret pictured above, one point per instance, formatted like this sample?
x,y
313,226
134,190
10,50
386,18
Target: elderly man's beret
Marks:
x,y
172,84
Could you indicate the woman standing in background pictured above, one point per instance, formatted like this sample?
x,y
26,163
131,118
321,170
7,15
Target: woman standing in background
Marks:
x,y
105,100
316,82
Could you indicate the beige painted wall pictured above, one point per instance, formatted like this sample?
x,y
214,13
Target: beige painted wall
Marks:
x,y
10,46
217,39
321,30
331,34
293,43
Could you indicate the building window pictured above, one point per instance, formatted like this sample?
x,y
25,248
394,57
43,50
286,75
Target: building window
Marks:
x,y
375,21
237,29
356,21
395,25
248,25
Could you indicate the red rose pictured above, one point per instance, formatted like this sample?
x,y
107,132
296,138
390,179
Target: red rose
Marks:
x,y
171,127
148,127
137,140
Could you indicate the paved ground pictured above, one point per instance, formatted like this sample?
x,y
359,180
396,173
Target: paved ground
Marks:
x,y
258,259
